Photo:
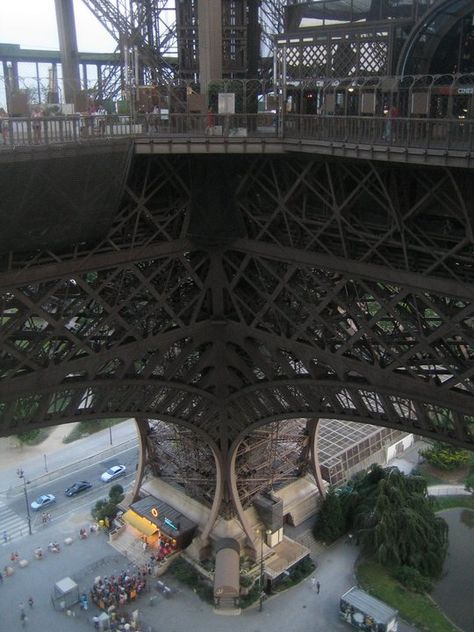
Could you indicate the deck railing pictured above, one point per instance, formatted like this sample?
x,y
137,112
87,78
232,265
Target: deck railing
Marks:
x,y
442,134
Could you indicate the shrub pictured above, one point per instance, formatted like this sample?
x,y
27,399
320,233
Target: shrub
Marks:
x,y
251,597
107,507
184,572
246,581
28,436
445,457
412,579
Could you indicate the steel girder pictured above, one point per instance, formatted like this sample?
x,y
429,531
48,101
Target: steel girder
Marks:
x,y
166,35
324,289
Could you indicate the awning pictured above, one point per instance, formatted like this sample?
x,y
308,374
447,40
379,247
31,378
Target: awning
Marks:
x,y
142,524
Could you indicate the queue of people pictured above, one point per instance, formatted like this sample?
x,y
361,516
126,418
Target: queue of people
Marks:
x,y
117,591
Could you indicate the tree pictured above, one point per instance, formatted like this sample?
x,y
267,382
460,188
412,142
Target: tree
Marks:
x,y
107,508
331,522
396,523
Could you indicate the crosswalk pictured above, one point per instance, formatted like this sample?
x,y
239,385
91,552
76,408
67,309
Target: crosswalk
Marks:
x,y
14,525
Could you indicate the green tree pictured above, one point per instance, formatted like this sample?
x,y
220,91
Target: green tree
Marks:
x,y
108,507
397,525
331,522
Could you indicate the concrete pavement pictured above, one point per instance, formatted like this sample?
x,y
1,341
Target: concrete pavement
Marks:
x,y
299,609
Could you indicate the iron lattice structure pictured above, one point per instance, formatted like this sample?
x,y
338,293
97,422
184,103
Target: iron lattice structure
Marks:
x,y
165,34
371,37
231,292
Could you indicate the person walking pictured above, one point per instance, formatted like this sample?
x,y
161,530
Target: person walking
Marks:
x,y
5,537
30,602
318,586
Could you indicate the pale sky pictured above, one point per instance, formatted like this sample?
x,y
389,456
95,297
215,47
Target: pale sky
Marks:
x,y
32,24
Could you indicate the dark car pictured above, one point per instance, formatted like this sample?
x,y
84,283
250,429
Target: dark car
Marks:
x,y
80,486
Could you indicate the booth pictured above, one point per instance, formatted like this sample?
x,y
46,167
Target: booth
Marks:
x,y
163,526
65,594
365,612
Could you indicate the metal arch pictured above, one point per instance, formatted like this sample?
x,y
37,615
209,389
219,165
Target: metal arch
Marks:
x,y
313,432
464,7
350,274
199,487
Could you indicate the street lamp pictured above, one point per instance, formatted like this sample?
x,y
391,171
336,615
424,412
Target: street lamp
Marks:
x,y
21,475
262,569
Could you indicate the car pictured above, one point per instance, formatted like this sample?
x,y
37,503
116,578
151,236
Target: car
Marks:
x,y
43,501
80,486
113,472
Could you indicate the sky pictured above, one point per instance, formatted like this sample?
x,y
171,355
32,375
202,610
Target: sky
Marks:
x,y
32,24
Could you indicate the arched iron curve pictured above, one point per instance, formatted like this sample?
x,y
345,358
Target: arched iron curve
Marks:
x,y
453,10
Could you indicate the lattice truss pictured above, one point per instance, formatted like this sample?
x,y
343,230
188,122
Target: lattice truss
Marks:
x,y
349,295
150,27
356,53
267,459
179,457
271,457
165,32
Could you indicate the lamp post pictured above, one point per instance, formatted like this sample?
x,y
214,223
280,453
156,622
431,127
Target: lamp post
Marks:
x,y
21,475
262,569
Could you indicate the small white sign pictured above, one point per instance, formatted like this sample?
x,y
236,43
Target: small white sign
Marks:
x,y
226,103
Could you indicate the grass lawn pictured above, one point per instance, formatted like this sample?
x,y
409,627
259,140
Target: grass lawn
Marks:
x,y
418,609
449,502
34,437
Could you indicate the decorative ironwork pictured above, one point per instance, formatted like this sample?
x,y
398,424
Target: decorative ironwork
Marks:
x,y
181,458
342,299
271,457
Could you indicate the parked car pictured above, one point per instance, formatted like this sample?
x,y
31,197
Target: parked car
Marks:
x,y
80,486
113,472
43,501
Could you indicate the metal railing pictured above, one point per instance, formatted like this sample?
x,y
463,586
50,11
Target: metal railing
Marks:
x,y
443,134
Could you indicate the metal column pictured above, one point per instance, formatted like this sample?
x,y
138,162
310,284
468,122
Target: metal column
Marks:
x,y
68,48
210,42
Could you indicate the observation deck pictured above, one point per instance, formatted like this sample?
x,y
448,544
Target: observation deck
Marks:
x,y
431,141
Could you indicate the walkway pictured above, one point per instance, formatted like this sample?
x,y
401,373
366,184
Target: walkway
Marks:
x,y
445,142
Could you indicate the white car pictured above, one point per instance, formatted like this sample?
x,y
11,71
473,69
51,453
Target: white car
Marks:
x,y
113,472
43,501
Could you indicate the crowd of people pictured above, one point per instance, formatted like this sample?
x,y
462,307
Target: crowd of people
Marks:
x,y
111,592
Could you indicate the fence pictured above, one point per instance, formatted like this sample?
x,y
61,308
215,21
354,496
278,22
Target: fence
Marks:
x,y
444,134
